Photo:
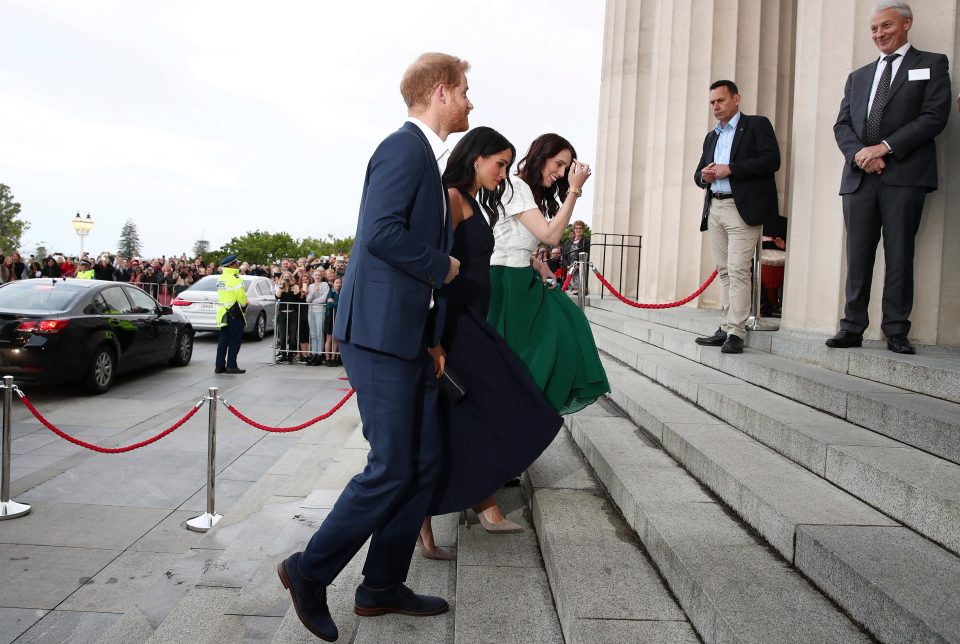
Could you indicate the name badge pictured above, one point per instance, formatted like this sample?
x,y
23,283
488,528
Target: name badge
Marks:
x,y
919,74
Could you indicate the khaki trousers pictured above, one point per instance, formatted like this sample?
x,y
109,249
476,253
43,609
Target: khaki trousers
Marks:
x,y
733,243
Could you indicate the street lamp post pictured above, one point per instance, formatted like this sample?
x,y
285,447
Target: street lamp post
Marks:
x,y
83,226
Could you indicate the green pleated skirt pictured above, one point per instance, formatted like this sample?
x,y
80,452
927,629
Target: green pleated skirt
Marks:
x,y
550,335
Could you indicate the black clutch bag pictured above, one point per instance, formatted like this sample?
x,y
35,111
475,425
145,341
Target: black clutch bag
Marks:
x,y
452,387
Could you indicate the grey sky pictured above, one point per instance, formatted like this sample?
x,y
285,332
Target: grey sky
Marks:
x,y
211,119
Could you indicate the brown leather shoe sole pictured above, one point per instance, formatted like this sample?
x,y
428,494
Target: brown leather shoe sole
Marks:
x,y
286,584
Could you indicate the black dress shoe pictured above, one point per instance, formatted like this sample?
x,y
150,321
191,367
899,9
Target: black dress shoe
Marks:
x,y
397,599
309,599
900,344
219,370
733,344
845,340
235,370
715,340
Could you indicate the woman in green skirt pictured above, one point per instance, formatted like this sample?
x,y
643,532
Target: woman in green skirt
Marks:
x,y
543,326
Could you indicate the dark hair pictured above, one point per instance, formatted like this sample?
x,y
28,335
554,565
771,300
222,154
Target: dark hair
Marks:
x,y
530,169
729,84
461,173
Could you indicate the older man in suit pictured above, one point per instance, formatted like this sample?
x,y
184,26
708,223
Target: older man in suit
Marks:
x,y
736,170
400,257
891,111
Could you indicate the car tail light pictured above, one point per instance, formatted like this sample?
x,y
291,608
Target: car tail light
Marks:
x,y
47,327
181,302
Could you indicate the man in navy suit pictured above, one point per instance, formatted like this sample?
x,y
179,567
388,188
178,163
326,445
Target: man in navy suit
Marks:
x,y
736,170
891,111
387,319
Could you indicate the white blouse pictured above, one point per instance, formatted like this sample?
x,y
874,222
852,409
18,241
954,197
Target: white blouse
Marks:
x,y
513,242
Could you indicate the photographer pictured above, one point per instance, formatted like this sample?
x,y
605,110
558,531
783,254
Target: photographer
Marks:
x,y
182,281
288,296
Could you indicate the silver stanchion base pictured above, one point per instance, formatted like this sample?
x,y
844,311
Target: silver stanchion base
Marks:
x,y
12,510
757,323
203,522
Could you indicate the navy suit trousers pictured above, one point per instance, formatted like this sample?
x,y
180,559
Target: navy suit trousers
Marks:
x,y
228,345
398,402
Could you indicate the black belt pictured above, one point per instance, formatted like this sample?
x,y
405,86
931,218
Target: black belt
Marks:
x,y
721,195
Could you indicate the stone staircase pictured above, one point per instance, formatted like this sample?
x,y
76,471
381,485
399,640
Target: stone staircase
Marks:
x,y
787,494
835,471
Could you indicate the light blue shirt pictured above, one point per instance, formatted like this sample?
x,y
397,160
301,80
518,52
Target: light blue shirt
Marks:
x,y
721,154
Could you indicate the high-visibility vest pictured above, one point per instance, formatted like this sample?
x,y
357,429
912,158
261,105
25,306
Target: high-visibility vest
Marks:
x,y
230,293
85,275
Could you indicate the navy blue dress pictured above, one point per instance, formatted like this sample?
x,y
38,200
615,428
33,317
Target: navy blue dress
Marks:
x,y
504,423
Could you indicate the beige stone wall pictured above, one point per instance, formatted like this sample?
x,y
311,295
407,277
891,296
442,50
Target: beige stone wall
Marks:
x,y
790,59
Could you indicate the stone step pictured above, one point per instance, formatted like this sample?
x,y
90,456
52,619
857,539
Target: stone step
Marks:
x,y
732,586
818,528
503,594
605,587
934,371
925,422
911,486
254,512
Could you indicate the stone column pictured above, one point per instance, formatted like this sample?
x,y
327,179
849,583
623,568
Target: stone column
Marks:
x,y
655,113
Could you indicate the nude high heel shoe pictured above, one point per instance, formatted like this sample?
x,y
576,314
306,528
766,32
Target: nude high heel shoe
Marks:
x,y
437,554
504,527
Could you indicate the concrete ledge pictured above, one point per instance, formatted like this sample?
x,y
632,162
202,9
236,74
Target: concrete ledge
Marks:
x,y
934,371
887,474
925,422
901,586
773,494
600,577
731,586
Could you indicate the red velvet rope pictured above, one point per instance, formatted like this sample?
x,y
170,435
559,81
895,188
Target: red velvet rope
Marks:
x,y
295,428
108,450
566,282
668,305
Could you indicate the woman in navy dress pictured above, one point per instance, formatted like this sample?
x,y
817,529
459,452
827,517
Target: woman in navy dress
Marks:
x,y
504,423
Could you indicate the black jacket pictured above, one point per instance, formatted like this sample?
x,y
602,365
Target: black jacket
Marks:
x,y
754,158
916,111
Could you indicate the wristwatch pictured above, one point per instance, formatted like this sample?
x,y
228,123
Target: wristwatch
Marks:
x,y
575,191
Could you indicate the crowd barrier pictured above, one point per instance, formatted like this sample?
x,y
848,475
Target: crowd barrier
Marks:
x,y
10,509
298,333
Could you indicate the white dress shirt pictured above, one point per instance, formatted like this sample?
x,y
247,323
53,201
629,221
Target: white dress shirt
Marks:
x,y
881,64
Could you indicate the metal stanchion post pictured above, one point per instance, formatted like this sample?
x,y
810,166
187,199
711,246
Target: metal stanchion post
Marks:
x,y
583,277
755,322
209,519
8,509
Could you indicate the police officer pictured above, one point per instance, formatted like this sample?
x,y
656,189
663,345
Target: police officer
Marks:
x,y
85,272
231,304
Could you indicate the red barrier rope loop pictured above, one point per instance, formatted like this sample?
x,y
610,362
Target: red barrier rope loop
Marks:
x,y
667,305
566,283
296,428
107,450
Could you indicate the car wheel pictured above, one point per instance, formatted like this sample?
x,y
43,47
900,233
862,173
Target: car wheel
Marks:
x,y
184,350
102,370
260,328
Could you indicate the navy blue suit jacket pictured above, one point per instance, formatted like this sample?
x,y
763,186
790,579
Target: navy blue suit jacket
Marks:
x,y
916,111
400,253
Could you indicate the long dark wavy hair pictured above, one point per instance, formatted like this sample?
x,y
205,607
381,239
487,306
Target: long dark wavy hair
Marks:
x,y
530,169
460,172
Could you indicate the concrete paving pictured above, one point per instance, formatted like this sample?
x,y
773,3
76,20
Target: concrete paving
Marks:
x,y
105,528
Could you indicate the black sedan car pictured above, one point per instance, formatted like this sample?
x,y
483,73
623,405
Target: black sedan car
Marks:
x,y
68,330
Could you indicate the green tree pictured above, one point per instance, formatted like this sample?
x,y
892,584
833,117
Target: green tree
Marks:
x,y
129,244
11,226
262,247
41,252
200,248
